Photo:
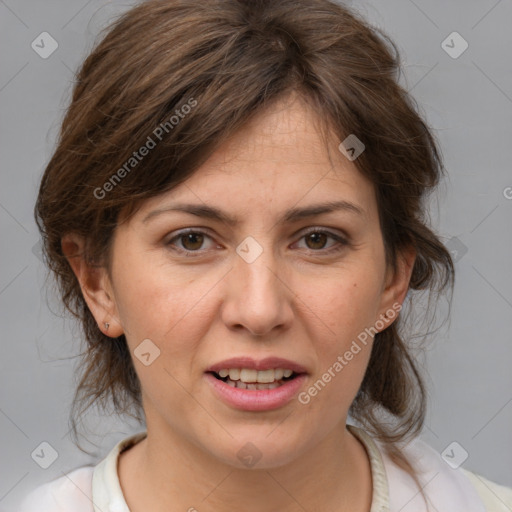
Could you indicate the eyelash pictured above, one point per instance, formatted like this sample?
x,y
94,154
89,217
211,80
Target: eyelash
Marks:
x,y
342,242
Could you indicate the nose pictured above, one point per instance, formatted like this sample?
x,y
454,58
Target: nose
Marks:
x,y
257,297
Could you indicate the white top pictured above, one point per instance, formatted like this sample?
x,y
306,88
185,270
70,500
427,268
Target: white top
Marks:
x,y
97,489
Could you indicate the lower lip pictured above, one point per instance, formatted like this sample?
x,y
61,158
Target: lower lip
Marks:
x,y
256,399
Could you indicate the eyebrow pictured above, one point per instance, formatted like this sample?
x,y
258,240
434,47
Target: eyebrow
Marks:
x,y
290,216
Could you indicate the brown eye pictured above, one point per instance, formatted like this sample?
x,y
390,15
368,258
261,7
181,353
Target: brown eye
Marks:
x,y
192,241
316,240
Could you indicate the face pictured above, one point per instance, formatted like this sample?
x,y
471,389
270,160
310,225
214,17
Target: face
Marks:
x,y
277,280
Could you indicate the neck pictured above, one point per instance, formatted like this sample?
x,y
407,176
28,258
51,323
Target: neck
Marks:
x,y
165,472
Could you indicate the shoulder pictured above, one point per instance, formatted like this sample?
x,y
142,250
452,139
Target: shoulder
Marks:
x,y
85,489
497,498
69,492
446,487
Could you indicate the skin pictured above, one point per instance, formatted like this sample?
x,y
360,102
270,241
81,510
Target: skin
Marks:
x,y
297,300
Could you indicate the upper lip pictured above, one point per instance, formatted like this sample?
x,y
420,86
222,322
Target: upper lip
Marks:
x,y
260,365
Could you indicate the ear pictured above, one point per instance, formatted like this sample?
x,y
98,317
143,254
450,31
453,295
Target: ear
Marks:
x,y
95,284
396,285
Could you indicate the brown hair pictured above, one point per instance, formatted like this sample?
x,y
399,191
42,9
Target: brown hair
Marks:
x,y
228,60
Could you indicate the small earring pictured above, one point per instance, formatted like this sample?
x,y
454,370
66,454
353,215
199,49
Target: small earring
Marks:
x,y
107,325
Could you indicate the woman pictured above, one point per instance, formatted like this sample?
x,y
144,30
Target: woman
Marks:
x,y
235,213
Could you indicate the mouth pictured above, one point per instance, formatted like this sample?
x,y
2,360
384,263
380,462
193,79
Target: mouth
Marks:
x,y
265,386
251,379
248,384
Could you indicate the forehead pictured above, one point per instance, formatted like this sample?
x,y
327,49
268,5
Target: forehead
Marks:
x,y
287,131
278,160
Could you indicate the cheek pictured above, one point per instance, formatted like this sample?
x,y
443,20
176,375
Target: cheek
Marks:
x,y
345,305
342,351
169,307
347,308
174,313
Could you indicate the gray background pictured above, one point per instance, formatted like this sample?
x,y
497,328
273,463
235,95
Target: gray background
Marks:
x,y
467,100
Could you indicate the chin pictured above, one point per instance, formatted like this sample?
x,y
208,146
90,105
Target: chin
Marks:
x,y
260,448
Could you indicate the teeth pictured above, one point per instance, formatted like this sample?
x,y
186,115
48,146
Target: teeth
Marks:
x,y
248,375
242,385
251,376
234,374
266,376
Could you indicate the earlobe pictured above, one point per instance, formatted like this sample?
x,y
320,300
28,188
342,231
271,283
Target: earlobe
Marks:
x,y
95,285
